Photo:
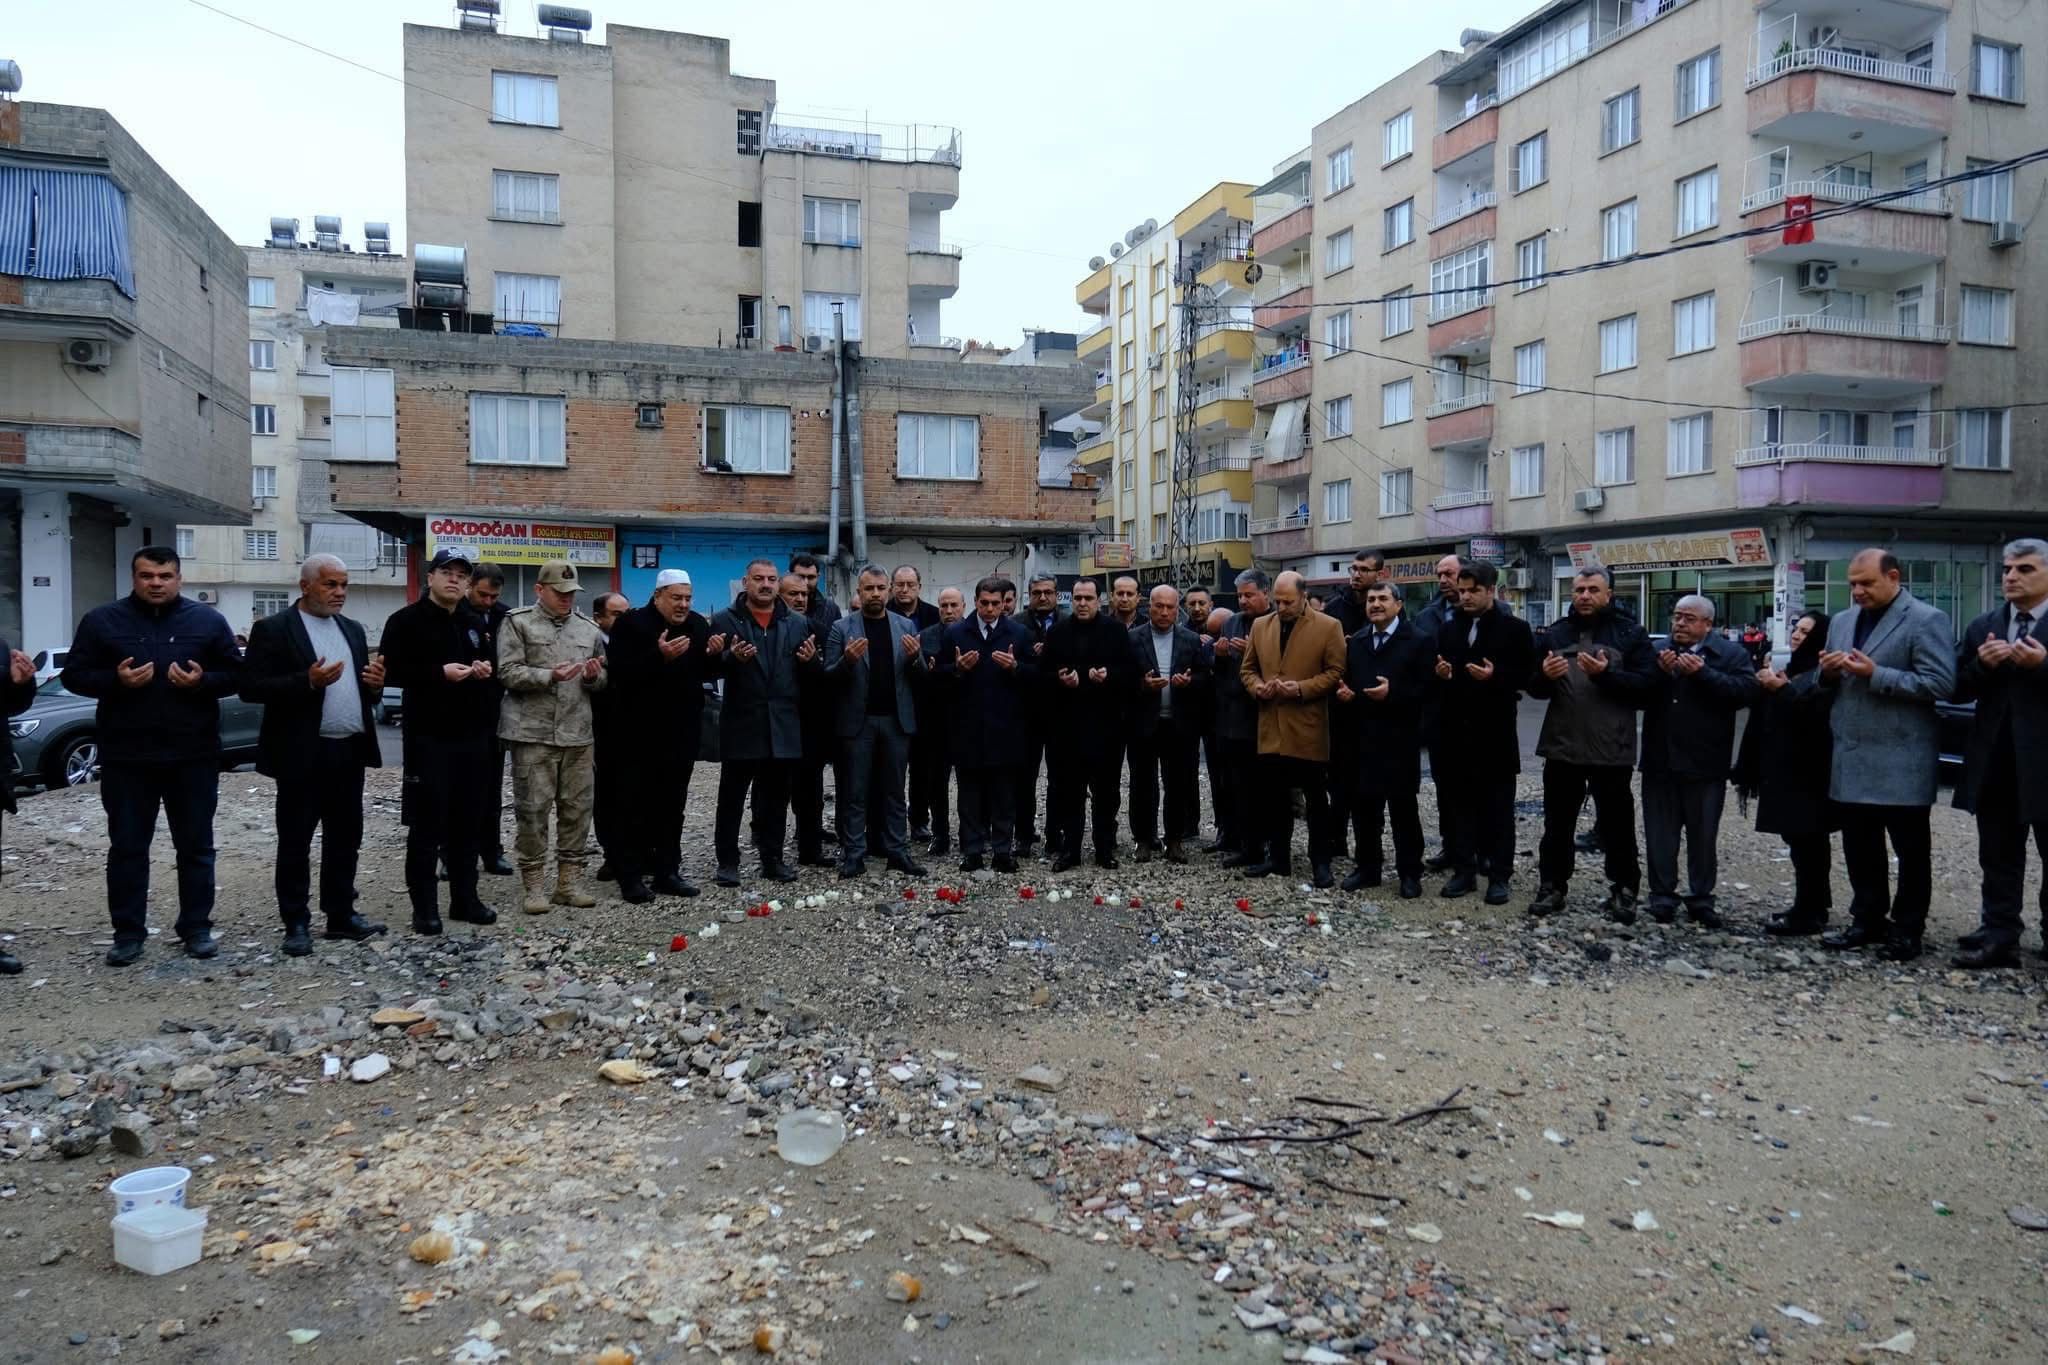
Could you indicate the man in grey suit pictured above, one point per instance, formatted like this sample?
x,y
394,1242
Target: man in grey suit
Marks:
x,y
1889,659
869,655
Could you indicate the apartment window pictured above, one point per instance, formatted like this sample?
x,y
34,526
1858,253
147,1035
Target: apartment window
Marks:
x,y
1337,332
1621,120
1337,501
1618,343
1127,417
1692,324
1905,430
1906,308
517,97
746,440
1129,475
263,419
1158,276
1399,136
1337,416
1987,438
818,314
509,428
1532,162
1614,456
262,355
184,542
1397,492
1525,472
529,298
1689,444
262,292
1531,363
1397,313
1913,174
1987,316
526,196
1698,202
1397,402
266,602
1531,260
1127,297
833,222
1699,84
1160,466
1987,199
1219,517
1159,533
365,415
749,317
1397,225
1159,338
1337,252
1618,231
1158,404
263,481
936,446
1995,70
1458,282
748,132
1841,427
259,545
749,224
1339,168
1127,357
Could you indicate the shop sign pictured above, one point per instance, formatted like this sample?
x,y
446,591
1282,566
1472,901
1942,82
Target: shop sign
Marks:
x,y
519,541
1490,549
1743,548
1113,554
1405,571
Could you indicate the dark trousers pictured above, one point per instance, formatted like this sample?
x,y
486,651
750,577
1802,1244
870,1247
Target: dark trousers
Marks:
x,y
445,781
1343,783
873,762
2002,854
1212,760
1688,807
1240,798
935,758
1164,757
657,786
1864,831
1813,859
1371,810
769,779
1614,818
1025,800
1279,776
988,811
920,782
806,795
131,794
1082,774
1478,811
1452,833
488,813
612,773
328,796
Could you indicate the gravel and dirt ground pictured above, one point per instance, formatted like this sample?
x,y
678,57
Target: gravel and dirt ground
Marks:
x,y
1157,1126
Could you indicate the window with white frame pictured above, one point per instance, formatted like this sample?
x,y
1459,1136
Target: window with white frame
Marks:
x,y
1618,231
933,445
1219,517
1689,444
1397,313
1841,427
515,428
1692,323
1546,49
749,439
1618,343
1995,69
1532,162
526,196
1397,225
263,481
390,551
1398,138
1337,416
1699,84
1525,472
1397,492
833,222
1987,439
1397,402
365,414
262,355
1339,170
267,602
1614,456
1129,476
1337,500
818,315
1337,252
1337,332
1458,282
185,542
259,545
1987,316
1532,255
1699,207
528,298
1531,364
263,419
1988,198
1621,120
1906,308
518,97
262,292
1906,430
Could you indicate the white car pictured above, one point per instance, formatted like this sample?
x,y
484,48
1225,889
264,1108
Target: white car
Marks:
x,y
49,663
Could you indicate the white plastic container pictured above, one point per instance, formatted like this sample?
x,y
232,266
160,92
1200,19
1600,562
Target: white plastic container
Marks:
x,y
151,1185
159,1238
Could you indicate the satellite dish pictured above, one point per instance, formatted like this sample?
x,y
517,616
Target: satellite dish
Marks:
x,y
1116,248
1096,262
1151,226
1134,236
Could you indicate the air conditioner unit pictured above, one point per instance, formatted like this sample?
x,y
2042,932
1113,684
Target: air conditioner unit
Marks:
x,y
90,353
2005,232
207,596
1156,362
1589,499
1516,578
814,343
1816,277
258,503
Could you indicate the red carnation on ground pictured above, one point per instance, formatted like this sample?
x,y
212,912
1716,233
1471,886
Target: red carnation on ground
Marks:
x,y
1180,905
1098,900
910,893
678,943
1244,904
1135,902
1025,893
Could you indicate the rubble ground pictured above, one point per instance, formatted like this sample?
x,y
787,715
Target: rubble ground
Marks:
x,y
1160,1113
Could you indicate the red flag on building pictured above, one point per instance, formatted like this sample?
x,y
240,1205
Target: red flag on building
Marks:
x,y
1798,219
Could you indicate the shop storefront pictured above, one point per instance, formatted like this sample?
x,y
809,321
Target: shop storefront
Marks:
x,y
520,545
1959,578
1734,569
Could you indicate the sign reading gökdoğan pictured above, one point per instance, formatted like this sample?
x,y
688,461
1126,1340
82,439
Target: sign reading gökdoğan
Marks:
x,y
517,540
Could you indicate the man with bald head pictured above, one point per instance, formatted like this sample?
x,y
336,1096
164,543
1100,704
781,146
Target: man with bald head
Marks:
x,y
1165,725
1292,664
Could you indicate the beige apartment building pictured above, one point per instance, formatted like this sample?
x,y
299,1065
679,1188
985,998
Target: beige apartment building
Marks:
x,y
638,190
1735,419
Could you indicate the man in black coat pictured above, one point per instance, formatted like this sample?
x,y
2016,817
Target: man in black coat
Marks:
x,y
309,668
1041,613
159,663
1169,662
1483,658
768,649
816,705
1349,609
987,660
1702,680
1087,663
17,694
659,658
1389,673
1237,726
611,749
870,657
906,598
483,610
932,750
2002,665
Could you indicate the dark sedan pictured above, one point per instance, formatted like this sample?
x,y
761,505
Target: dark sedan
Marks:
x,y
1954,739
55,743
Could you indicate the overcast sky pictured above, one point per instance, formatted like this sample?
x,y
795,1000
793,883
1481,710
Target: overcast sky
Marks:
x,y
1078,119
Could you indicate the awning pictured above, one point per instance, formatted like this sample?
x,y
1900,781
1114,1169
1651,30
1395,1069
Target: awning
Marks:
x,y
64,225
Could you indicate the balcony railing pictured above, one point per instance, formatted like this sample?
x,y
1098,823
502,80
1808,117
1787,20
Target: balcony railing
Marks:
x,y
865,141
1460,497
1458,304
1884,329
1293,521
1221,391
1282,362
1281,451
1834,192
1848,64
1471,109
1834,454
1481,392
1467,206
1216,464
928,343
919,248
1086,446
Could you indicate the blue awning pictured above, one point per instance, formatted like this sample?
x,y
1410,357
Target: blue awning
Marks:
x,y
64,225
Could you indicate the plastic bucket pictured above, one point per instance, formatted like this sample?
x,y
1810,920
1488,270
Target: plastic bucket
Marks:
x,y
159,1238
152,1185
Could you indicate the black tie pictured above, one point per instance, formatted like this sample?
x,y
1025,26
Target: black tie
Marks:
x,y
2022,625
1379,637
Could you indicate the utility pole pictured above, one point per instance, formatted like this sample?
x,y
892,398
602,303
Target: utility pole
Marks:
x,y
1180,531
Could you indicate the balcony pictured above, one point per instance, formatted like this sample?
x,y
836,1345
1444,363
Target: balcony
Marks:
x,y
1461,323
1458,513
1229,343
1282,375
1225,274
1820,353
1880,241
1825,190
1454,235
1222,464
316,383
1279,311
1289,229
1457,421
1835,98
1093,449
1223,407
1281,537
1468,135
863,141
934,348
1094,346
1852,476
934,270
1092,294
1464,208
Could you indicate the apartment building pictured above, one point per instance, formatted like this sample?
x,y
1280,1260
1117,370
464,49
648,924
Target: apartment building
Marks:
x,y
298,286
637,190
1135,347
1735,419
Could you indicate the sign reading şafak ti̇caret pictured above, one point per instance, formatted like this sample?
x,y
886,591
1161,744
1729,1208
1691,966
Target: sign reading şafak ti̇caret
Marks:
x,y
1743,548
520,540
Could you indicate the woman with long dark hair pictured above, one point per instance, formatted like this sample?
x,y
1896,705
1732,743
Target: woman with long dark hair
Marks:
x,y
1786,756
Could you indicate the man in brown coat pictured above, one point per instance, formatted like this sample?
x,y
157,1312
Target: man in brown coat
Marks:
x,y
1292,664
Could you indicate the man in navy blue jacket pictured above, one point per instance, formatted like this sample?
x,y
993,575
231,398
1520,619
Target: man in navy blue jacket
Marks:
x,y
158,664
988,661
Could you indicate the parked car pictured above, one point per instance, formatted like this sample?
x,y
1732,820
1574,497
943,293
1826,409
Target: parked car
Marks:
x,y
49,663
1955,720
55,744
391,709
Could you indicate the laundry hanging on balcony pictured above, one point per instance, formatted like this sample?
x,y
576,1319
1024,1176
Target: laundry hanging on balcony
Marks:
x,y
1282,440
64,225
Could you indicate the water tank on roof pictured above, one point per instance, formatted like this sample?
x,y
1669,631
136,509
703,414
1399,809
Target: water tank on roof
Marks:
x,y
440,264
564,25
327,232
284,232
377,238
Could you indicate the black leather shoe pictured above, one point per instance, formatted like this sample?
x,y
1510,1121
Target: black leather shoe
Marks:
x,y
635,891
1147,851
780,871
1176,852
972,863
1106,861
10,965
1436,862
1362,880
1547,901
674,884
727,876
1705,916
1902,947
1976,938
427,925
1066,862
1003,862
1497,892
1663,914
909,868
1857,934
1620,905
605,873
354,928
495,864
922,833
476,912
1463,884
1982,956
124,951
857,868
202,945
815,858
940,847
1266,867
1795,924
298,940
1242,857
1411,888
1322,877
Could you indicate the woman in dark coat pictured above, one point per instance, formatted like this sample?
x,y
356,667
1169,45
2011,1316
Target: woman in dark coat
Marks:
x,y
1784,765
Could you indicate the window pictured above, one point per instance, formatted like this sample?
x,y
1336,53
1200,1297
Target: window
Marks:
x,y
1158,276
1397,313
1525,472
749,223
390,552
1158,404
1337,416
1397,492
1841,427
834,222
1987,199
364,415
1689,444
1531,258
1337,332
1906,308
818,314
1698,202
1337,500
529,298
506,428
1398,225
1699,84
748,319
936,446
1692,324
1621,120
1159,338
1159,533
184,542
748,128
1532,162
1397,402
1987,316
262,292
1130,474
263,481
1618,343
1339,170
1530,364
262,355
1542,51
1913,174
1905,430
1127,297
526,196
747,440
1987,438
259,545
269,601
1614,456
1618,231
1458,281
1337,252
1159,466
1399,136
263,419
520,98
1219,518
1995,70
